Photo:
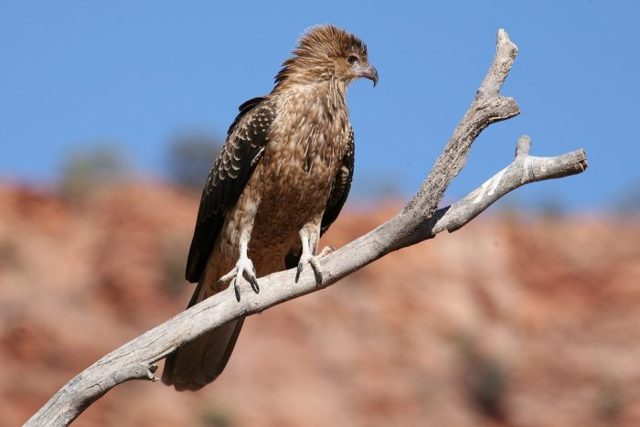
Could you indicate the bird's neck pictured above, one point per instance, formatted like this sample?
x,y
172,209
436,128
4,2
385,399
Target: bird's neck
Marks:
x,y
331,91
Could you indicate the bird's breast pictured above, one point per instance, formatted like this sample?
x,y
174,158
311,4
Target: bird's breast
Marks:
x,y
292,181
296,172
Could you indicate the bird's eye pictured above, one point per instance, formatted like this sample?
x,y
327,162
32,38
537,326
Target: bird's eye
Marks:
x,y
352,59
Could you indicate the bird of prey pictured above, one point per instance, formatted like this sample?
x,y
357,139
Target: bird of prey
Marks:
x,y
279,182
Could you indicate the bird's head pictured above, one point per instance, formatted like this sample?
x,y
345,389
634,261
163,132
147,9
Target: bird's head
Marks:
x,y
327,53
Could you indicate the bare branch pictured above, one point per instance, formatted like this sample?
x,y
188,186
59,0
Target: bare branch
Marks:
x,y
488,107
523,170
418,221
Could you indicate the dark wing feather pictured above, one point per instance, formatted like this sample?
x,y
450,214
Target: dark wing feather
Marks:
x,y
246,140
340,188
337,197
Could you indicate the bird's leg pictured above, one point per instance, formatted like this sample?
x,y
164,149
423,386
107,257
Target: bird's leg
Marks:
x,y
244,268
309,237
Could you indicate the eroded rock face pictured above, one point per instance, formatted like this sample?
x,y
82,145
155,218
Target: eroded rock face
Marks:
x,y
506,322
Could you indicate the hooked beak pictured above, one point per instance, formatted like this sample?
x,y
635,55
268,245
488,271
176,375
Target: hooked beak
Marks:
x,y
369,72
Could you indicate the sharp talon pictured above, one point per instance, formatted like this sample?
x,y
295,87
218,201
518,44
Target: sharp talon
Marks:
x,y
251,278
236,289
254,284
299,270
318,277
317,272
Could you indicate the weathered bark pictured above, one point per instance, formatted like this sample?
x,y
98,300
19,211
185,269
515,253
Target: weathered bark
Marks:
x,y
418,221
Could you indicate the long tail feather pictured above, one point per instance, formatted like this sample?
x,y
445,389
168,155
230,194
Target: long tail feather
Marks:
x,y
198,363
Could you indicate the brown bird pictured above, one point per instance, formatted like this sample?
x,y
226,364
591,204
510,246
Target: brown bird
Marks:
x,y
279,182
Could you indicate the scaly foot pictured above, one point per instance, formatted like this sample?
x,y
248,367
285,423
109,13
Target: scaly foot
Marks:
x,y
307,258
244,268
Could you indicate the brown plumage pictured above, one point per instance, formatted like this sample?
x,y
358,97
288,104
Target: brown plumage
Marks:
x,y
281,179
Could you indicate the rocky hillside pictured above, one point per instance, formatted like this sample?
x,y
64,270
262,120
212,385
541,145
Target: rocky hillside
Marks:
x,y
509,322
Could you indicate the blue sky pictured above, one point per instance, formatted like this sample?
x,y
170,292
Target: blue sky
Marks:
x,y
136,73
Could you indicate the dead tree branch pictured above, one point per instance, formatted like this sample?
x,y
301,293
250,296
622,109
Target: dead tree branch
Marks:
x,y
418,221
